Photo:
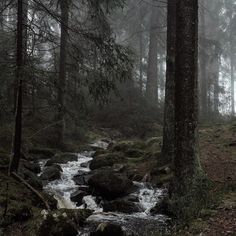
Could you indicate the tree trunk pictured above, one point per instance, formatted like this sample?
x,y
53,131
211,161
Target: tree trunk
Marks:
x,y
14,164
186,163
217,59
141,53
169,114
62,70
203,67
152,86
216,75
232,65
1,15
25,29
232,83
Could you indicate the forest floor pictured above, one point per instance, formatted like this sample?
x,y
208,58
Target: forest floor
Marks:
x,y
218,158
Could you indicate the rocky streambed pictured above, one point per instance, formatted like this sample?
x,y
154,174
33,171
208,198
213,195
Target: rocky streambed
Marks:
x,y
98,181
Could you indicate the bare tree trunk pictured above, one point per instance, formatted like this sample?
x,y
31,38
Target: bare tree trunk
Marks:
x,y
232,83
62,70
203,67
152,85
186,162
1,14
141,53
14,164
216,80
169,113
232,65
217,60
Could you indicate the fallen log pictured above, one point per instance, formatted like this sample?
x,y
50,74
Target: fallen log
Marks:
x,y
32,189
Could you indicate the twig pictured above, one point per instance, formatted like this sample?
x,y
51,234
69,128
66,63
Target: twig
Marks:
x,y
47,127
7,200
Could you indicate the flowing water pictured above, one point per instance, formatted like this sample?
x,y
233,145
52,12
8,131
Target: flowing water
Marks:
x,y
147,197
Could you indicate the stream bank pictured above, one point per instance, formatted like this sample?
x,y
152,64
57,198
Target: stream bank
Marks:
x,y
115,194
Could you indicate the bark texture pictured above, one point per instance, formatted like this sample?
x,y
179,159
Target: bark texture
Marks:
x,y
186,95
14,164
62,70
169,109
203,66
232,64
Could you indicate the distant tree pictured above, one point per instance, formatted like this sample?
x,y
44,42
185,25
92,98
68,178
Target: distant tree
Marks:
x,y
1,14
232,27
152,84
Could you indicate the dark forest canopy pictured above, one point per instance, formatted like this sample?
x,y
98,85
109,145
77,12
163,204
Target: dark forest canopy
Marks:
x,y
117,117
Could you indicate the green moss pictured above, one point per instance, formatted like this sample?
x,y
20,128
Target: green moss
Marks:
x,y
124,146
107,159
188,205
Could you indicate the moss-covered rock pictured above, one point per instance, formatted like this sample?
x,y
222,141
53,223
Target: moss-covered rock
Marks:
x,y
31,166
124,146
121,205
109,184
134,153
63,222
31,178
107,159
153,140
51,173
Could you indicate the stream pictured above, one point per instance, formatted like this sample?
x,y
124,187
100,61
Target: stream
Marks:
x,y
147,198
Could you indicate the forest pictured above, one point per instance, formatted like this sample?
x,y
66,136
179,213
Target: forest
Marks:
x,y
117,117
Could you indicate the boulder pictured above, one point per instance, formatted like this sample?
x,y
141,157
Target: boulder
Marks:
x,y
31,166
78,197
121,205
62,158
154,140
85,164
108,159
51,173
57,227
99,152
81,178
131,198
134,153
161,207
108,229
124,146
63,222
110,184
31,178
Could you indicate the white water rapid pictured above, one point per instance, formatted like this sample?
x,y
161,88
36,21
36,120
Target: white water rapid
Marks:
x,y
63,188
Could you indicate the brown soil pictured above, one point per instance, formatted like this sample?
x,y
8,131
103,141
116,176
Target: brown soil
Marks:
x,y
218,158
